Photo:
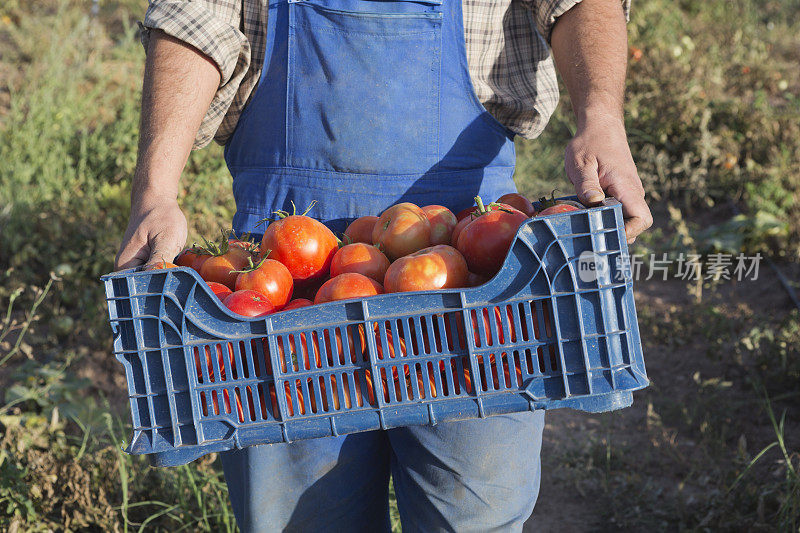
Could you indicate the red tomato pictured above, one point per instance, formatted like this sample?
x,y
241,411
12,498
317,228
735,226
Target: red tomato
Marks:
x,y
401,230
271,279
437,267
552,206
462,222
518,202
224,268
220,290
304,245
464,213
362,259
556,209
289,402
199,261
159,265
249,303
188,257
212,377
360,230
443,221
245,243
485,241
475,280
298,303
347,286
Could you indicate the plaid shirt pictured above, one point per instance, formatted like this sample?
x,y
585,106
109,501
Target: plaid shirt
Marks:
x,y
507,45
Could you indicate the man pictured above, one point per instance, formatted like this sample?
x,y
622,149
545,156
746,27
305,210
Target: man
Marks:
x,y
360,104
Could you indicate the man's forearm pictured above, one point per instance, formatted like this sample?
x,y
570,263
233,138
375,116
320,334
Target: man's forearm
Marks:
x,y
590,49
179,84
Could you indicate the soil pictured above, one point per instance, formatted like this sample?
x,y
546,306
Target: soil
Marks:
x,y
570,503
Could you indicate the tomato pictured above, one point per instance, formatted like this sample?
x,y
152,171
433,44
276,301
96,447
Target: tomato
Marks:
x,y
289,402
249,303
486,240
556,209
271,279
211,376
347,286
199,260
401,230
307,291
392,345
484,324
464,213
475,280
362,259
304,245
553,206
360,230
298,303
244,242
359,397
518,202
463,222
219,290
224,268
159,265
437,267
188,257
443,221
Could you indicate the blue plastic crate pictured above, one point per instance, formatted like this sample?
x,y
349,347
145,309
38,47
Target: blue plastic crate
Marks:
x,y
554,328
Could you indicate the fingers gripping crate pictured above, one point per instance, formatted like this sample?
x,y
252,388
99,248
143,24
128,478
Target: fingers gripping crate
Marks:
x,y
556,327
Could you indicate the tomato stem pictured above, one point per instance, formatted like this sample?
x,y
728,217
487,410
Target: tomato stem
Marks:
x,y
251,268
310,206
479,203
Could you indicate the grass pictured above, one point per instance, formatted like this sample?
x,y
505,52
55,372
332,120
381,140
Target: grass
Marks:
x,y
714,122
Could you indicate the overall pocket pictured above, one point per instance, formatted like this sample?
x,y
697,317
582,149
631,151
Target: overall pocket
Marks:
x,y
363,93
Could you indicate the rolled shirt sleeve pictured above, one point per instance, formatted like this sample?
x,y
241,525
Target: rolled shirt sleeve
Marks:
x,y
546,12
212,27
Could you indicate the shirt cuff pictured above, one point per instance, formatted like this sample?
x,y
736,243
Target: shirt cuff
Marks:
x,y
550,10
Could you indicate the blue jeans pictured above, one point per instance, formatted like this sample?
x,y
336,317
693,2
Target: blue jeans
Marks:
x,y
473,475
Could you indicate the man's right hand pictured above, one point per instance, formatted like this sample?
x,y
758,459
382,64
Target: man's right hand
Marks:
x,y
156,232
179,84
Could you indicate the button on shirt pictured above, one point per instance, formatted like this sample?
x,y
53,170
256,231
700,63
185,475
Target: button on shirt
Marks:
x,y
507,44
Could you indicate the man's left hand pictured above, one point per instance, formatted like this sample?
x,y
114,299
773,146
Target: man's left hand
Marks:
x,y
598,161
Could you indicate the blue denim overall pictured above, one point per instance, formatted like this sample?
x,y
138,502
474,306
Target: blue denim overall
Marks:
x,y
363,104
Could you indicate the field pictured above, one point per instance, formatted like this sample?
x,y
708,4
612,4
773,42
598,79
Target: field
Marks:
x,y
713,114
